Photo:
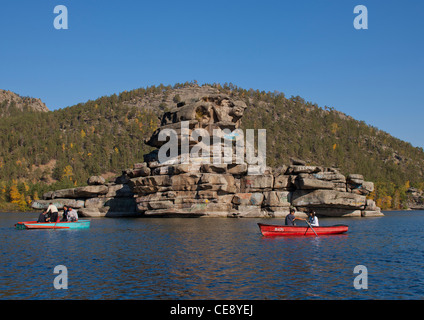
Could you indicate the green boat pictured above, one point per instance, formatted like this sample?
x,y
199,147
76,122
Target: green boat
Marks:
x,y
80,224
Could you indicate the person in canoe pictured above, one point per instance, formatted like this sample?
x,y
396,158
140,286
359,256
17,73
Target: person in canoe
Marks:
x,y
50,215
290,218
72,214
313,219
65,213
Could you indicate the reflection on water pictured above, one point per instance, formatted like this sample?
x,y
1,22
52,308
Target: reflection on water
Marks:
x,y
212,259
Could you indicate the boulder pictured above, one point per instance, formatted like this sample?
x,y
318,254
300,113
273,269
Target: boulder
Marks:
x,y
96,202
277,198
296,169
140,171
59,203
164,170
214,168
90,191
255,183
185,182
364,189
283,182
154,205
328,199
355,179
297,162
306,183
64,193
237,169
187,168
372,213
371,206
90,212
368,186
279,171
140,165
213,178
217,182
330,176
48,195
96,180
151,184
337,212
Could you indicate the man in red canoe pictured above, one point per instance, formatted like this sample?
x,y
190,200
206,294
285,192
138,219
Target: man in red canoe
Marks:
x,y
290,218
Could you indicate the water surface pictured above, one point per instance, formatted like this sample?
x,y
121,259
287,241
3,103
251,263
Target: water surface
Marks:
x,y
213,258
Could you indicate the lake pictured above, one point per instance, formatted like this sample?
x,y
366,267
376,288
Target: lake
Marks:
x,y
213,258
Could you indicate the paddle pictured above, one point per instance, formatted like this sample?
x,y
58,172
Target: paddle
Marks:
x,y
311,227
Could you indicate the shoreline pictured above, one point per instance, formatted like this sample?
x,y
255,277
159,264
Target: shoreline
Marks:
x,y
28,212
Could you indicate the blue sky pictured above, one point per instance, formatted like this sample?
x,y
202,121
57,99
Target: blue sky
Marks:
x,y
306,47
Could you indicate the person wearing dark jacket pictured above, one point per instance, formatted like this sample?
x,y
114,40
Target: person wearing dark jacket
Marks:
x,y
65,213
290,218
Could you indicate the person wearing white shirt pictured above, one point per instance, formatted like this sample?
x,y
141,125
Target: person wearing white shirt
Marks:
x,y
313,219
50,215
72,214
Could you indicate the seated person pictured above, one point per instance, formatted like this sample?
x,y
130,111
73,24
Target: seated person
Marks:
x,y
72,215
65,213
313,219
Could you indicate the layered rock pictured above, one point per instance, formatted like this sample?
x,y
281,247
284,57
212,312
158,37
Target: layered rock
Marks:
x,y
235,189
98,199
192,184
415,199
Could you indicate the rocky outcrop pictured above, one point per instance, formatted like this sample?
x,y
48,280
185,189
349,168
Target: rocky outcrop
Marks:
x,y
98,199
185,182
415,199
10,100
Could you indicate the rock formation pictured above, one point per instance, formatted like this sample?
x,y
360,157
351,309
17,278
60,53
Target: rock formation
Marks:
x,y
190,186
9,99
415,199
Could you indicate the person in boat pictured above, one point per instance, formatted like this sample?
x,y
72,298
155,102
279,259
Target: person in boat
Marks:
x,y
42,217
72,214
313,219
65,213
50,215
290,218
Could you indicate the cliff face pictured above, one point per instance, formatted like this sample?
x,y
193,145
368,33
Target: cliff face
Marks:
x,y
11,102
180,179
415,199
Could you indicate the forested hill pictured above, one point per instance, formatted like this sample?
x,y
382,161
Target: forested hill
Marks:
x,y
47,150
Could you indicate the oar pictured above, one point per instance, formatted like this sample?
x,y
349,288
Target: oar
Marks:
x,y
311,227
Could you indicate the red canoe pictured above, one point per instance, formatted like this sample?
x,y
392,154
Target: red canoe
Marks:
x,y
269,230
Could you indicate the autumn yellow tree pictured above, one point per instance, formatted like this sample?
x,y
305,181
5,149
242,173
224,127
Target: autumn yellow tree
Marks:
x,y
14,194
67,173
